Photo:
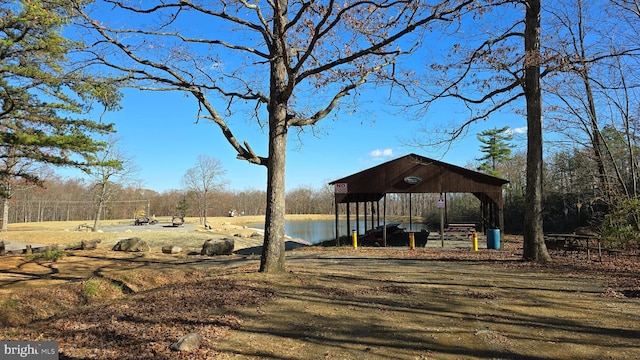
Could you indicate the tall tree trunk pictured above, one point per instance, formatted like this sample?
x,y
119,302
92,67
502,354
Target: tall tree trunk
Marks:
x,y
101,197
273,248
597,141
272,260
5,213
534,246
206,205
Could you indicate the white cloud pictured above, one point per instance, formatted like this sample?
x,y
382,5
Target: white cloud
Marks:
x,y
520,130
378,153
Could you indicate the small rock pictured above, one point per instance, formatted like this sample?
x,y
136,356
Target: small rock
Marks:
x,y
171,249
188,342
90,244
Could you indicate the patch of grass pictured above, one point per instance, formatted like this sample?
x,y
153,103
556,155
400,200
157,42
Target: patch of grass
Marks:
x,y
50,255
9,312
9,304
91,287
99,288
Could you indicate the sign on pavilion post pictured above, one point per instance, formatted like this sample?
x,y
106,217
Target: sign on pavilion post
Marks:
x,y
340,188
441,206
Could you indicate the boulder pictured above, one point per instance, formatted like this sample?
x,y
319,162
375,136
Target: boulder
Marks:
x,y
171,249
90,244
188,342
217,247
134,244
43,249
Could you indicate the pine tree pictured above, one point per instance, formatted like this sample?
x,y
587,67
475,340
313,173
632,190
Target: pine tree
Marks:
x,y
496,147
42,97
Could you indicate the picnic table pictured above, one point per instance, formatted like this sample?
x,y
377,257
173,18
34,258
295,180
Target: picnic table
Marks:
x,y
460,229
573,242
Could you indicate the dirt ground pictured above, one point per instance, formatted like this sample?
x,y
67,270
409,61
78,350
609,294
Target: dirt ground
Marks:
x,y
332,303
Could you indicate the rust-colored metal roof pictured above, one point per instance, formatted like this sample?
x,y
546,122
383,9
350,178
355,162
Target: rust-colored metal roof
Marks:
x,y
416,174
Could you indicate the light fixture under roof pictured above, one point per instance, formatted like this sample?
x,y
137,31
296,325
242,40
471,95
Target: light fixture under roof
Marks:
x,y
412,180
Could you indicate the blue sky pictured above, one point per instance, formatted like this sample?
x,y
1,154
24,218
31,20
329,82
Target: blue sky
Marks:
x,y
158,130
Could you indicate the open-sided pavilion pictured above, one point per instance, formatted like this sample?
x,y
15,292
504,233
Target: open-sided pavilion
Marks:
x,y
418,174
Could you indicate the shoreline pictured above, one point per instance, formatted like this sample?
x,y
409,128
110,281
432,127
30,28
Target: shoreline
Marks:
x,y
72,233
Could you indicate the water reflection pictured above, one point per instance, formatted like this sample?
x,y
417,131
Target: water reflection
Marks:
x,y
316,231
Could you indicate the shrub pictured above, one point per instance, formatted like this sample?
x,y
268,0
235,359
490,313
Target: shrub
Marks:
x,y
49,255
99,288
621,227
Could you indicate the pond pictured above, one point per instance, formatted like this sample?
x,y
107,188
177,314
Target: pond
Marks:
x,y
316,231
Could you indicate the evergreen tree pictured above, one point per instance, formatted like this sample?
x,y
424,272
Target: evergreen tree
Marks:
x,y
42,96
496,149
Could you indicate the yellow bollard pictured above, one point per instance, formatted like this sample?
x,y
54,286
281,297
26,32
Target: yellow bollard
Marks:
x,y
412,240
475,241
355,239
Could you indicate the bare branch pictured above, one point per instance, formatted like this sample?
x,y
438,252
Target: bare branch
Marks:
x,y
321,114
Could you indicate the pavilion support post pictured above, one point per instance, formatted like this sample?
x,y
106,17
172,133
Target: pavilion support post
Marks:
x,y
442,211
494,215
348,218
358,218
501,222
337,208
410,219
365,216
373,214
384,221
484,214
487,218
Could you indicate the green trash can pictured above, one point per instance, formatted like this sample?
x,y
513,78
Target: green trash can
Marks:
x,y
493,239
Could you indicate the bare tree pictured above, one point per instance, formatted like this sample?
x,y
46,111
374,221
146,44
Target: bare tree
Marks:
x,y
290,63
205,177
115,167
592,86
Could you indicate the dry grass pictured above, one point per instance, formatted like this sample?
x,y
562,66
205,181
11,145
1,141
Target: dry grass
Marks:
x,y
332,303
66,234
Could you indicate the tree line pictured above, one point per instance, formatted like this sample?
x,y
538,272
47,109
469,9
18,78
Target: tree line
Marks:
x,y
572,195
